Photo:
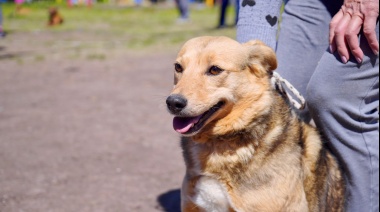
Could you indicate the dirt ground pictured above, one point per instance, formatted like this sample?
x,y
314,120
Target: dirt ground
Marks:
x,y
85,134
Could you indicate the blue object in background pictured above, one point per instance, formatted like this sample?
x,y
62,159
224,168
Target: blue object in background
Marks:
x,y
138,2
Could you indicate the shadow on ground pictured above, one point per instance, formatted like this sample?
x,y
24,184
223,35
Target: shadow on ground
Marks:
x,y
170,201
8,55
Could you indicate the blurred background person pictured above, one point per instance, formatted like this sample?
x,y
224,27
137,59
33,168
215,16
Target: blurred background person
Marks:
x,y
2,33
223,10
138,3
183,8
19,2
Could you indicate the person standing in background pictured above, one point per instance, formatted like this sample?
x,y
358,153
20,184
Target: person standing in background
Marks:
x,y
329,50
183,8
19,2
138,3
2,32
223,10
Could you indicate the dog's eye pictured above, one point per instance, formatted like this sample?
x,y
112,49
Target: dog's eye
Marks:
x,y
178,68
215,70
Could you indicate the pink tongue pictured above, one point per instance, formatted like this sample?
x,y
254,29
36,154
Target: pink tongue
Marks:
x,y
183,125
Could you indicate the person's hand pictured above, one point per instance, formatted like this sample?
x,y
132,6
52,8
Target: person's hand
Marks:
x,y
346,25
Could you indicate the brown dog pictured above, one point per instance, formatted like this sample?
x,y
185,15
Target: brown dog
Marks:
x,y
245,150
54,17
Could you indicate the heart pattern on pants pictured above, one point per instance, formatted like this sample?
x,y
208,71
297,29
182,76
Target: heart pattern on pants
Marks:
x,y
271,20
250,3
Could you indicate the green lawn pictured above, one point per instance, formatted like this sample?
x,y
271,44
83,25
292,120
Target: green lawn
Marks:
x,y
135,28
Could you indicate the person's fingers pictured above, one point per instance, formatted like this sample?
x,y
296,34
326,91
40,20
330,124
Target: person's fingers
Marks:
x,y
346,25
333,24
369,30
340,40
351,36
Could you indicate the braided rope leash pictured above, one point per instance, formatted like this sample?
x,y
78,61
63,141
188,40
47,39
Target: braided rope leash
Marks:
x,y
278,82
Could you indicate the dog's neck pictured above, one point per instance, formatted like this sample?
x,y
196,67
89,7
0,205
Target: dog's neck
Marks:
x,y
247,135
246,124
255,139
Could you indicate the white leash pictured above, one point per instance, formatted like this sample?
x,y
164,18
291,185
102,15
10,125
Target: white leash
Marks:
x,y
278,83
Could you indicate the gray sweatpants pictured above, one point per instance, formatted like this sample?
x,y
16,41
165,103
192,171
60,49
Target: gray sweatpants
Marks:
x,y
343,99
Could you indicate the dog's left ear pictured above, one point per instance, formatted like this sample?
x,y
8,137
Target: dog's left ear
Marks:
x,y
262,59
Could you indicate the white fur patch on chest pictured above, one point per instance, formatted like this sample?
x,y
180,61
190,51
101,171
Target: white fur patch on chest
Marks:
x,y
211,195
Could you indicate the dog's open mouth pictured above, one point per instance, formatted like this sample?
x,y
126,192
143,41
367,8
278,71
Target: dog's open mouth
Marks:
x,y
188,125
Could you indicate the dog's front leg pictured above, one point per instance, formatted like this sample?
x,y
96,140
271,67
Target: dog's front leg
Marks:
x,y
189,206
187,193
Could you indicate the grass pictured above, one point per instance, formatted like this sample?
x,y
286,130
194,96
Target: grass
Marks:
x,y
111,26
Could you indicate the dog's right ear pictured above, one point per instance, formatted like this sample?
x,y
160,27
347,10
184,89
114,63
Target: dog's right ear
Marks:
x,y
262,59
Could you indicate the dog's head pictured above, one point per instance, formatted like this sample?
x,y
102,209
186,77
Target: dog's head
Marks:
x,y
53,11
220,85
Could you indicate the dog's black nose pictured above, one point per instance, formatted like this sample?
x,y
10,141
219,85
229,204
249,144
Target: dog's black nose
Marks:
x,y
176,103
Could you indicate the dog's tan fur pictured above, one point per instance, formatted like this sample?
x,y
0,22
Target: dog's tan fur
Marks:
x,y
254,154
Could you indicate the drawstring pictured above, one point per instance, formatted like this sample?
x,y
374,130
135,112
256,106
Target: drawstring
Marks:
x,y
279,82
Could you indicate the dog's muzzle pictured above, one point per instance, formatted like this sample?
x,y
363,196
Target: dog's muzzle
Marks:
x,y
176,103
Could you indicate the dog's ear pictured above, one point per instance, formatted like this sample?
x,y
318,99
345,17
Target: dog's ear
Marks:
x,y
262,59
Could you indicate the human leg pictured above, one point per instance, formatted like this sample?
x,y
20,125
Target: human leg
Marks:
x,y
2,33
1,18
184,5
303,39
223,9
344,100
258,20
183,9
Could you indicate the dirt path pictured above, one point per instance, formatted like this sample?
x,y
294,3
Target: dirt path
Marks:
x,y
88,134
